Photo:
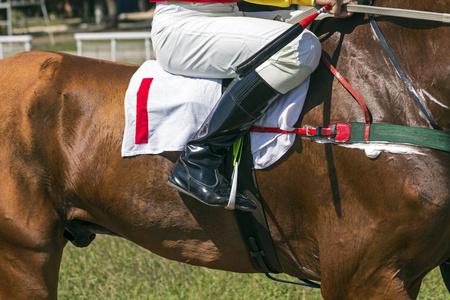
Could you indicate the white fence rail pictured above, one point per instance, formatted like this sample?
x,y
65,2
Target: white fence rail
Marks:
x,y
25,39
113,37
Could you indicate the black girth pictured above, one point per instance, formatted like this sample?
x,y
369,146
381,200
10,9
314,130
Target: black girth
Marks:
x,y
253,224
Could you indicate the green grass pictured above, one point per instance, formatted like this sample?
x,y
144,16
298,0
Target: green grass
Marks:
x,y
113,268
67,46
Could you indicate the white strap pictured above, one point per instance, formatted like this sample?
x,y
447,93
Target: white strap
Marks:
x,y
234,177
397,12
385,11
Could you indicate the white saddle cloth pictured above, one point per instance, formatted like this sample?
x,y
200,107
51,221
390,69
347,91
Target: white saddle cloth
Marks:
x,y
178,105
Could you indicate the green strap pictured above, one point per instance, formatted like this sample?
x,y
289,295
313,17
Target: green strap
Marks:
x,y
422,137
237,151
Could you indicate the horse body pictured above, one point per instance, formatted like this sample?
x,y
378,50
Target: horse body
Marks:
x,y
364,228
60,162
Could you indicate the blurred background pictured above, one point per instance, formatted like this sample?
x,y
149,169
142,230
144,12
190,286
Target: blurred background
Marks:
x,y
117,30
73,26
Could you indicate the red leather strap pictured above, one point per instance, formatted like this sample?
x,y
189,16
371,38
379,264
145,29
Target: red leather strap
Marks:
x,y
310,131
337,132
354,94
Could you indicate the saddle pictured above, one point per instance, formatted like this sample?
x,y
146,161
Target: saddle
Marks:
x,y
164,114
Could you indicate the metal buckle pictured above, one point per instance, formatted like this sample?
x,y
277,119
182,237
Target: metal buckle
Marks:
x,y
307,132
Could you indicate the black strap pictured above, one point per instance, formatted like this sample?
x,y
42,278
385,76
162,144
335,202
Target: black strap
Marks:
x,y
253,224
268,50
402,74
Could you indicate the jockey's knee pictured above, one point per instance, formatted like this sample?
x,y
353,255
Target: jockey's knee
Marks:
x,y
289,67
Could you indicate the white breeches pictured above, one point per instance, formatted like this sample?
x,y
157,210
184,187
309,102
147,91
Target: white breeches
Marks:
x,y
211,39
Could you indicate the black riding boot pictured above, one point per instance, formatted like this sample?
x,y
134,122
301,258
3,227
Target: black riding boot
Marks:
x,y
196,171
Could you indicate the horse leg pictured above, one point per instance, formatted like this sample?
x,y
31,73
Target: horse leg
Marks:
x,y
348,281
31,274
368,266
445,272
31,241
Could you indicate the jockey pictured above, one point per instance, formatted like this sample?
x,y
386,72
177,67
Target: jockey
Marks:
x,y
209,38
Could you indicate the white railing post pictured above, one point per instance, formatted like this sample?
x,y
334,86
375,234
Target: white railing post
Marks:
x,y
113,49
114,37
25,39
79,47
147,49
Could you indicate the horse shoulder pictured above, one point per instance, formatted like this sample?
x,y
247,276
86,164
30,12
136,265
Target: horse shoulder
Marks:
x,y
30,211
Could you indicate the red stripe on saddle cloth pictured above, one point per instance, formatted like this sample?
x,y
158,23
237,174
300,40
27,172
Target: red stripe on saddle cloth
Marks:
x,y
141,112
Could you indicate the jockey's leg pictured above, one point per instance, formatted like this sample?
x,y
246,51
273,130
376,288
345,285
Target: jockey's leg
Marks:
x,y
207,46
195,172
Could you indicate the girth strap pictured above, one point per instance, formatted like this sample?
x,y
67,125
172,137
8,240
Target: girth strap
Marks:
x,y
342,132
253,224
397,134
337,132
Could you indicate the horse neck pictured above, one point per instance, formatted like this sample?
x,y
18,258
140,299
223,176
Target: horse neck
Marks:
x,y
422,50
424,5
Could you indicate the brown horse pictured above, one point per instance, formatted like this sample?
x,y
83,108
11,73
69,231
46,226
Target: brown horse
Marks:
x,y
366,228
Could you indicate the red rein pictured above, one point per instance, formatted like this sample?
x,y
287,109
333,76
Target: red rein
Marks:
x,y
343,130
354,94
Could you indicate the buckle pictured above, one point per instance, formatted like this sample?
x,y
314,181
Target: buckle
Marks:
x,y
307,131
340,132
318,131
